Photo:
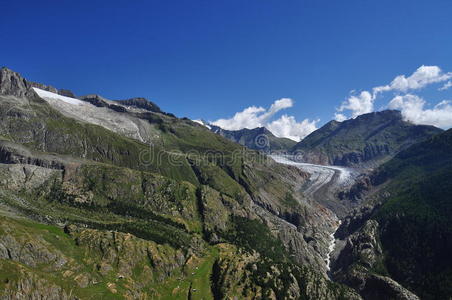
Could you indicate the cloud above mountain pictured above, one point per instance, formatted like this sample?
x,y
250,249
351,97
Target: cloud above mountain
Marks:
x,y
422,77
357,104
413,107
285,126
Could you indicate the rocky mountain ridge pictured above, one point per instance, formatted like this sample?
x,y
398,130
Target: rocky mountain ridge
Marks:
x,y
368,140
259,138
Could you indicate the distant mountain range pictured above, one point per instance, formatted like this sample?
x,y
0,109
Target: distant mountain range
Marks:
x,y
120,200
257,139
367,140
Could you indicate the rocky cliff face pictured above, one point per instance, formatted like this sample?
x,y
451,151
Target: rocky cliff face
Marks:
x,y
141,103
12,84
403,214
360,259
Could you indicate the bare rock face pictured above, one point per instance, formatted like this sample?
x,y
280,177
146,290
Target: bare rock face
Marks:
x,y
95,100
20,247
67,93
11,153
44,87
356,263
142,103
49,88
30,253
13,84
382,287
31,286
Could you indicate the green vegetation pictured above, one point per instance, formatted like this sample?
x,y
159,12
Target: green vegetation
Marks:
x,y
253,235
417,228
81,263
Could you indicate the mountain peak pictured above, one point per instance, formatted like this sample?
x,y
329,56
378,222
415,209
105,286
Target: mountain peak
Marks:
x,y
368,138
259,138
387,114
12,83
142,103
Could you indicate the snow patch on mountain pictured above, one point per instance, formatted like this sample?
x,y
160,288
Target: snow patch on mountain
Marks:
x,y
50,95
201,122
122,123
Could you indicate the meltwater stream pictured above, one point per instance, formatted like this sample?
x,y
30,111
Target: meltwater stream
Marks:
x,y
331,246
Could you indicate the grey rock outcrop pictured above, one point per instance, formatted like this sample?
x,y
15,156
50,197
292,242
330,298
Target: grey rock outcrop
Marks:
x,y
49,88
44,87
142,103
11,153
359,259
13,84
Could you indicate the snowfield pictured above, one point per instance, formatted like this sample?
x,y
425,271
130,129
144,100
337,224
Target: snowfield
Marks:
x,y
202,123
121,123
49,95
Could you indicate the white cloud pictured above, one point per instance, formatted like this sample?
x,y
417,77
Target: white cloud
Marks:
x,y
250,117
412,108
288,127
340,117
446,86
357,104
285,126
280,104
364,101
422,77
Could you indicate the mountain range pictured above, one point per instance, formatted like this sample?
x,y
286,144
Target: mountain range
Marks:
x,y
116,199
369,140
259,138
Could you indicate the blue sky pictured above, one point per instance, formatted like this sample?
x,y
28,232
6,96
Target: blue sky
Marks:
x,y
211,59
